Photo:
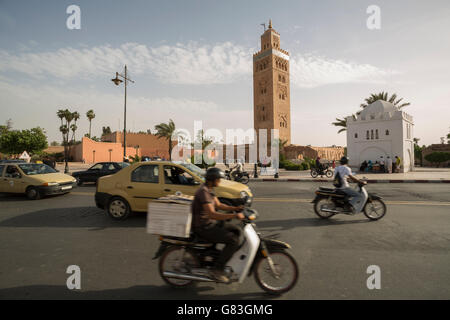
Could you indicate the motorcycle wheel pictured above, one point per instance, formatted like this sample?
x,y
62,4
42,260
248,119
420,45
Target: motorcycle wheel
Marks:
x,y
244,179
329,173
314,173
285,266
375,209
170,261
319,205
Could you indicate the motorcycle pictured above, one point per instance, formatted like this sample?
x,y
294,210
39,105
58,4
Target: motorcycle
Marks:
x,y
321,172
242,177
183,261
329,202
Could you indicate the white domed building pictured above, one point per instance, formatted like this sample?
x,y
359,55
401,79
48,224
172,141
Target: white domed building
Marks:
x,y
381,130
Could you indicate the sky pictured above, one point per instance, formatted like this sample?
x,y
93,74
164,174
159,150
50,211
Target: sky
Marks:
x,y
191,60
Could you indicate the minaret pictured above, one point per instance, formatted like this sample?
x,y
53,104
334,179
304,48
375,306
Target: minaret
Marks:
x,y
271,93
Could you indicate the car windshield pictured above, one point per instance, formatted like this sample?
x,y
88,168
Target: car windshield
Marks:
x,y
192,167
36,168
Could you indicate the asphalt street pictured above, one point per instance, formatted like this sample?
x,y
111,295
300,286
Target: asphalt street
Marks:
x,y
411,246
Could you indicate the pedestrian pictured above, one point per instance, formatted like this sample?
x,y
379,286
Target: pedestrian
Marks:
x,y
398,163
334,164
389,164
382,166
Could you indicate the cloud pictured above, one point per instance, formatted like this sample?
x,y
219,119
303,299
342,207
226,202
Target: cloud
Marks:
x,y
190,63
187,64
309,71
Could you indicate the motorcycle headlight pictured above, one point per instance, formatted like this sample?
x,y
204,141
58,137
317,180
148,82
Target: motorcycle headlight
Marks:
x,y
245,197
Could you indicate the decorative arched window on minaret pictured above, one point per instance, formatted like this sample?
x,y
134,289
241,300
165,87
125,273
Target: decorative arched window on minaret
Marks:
x,y
277,82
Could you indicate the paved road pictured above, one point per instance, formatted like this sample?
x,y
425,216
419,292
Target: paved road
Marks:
x,y
411,245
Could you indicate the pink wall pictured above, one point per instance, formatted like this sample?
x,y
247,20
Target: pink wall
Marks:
x,y
85,150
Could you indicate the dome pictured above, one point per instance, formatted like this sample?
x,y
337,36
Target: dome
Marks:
x,y
378,107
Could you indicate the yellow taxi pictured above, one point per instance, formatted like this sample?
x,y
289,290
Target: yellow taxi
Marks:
x,y
132,188
33,179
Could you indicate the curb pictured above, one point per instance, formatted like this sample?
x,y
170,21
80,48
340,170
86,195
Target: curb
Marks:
x,y
325,180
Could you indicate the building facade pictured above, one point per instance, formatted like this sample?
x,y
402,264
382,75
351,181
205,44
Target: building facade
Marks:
x,y
381,130
271,91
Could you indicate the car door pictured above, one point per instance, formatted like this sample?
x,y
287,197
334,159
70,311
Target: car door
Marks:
x,y
3,181
14,179
177,179
92,174
143,186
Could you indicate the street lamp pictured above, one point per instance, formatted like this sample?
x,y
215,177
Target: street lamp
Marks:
x,y
118,81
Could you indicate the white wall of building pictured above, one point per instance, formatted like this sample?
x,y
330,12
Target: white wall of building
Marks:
x,y
380,130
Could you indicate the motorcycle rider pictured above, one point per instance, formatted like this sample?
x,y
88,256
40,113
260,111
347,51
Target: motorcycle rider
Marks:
x,y
205,220
237,170
342,173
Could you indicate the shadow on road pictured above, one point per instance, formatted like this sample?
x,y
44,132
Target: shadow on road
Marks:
x,y
287,224
77,217
135,292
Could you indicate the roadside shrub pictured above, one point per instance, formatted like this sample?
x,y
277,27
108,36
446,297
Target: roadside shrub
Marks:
x,y
305,166
438,157
288,165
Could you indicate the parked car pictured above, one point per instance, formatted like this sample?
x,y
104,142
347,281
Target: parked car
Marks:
x,y
98,170
33,179
132,188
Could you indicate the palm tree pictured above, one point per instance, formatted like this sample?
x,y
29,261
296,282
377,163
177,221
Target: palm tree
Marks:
x,y
90,115
76,116
385,97
166,130
342,123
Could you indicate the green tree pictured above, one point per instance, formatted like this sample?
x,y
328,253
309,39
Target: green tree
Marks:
x,y
438,157
106,130
66,126
166,130
15,141
417,150
90,115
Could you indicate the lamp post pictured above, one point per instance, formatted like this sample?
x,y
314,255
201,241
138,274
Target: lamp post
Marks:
x,y
117,81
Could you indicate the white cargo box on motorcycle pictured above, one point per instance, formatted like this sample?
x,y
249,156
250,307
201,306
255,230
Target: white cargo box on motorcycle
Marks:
x,y
170,216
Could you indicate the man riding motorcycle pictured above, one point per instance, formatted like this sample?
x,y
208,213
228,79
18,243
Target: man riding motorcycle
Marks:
x,y
205,220
237,170
341,174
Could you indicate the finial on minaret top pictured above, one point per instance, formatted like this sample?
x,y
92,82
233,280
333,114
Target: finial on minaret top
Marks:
x,y
270,23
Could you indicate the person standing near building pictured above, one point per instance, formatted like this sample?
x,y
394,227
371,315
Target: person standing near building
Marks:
x,y
389,164
382,166
398,163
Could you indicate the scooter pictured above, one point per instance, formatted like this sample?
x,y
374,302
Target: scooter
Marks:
x,y
321,172
242,177
329,202
183,261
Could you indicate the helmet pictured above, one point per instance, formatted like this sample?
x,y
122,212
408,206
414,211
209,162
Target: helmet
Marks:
x,y
213,174
344,160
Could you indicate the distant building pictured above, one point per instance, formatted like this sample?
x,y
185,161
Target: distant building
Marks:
x,y
381,130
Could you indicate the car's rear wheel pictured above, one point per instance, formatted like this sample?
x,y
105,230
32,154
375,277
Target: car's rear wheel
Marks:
x,y
33,193
118,208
